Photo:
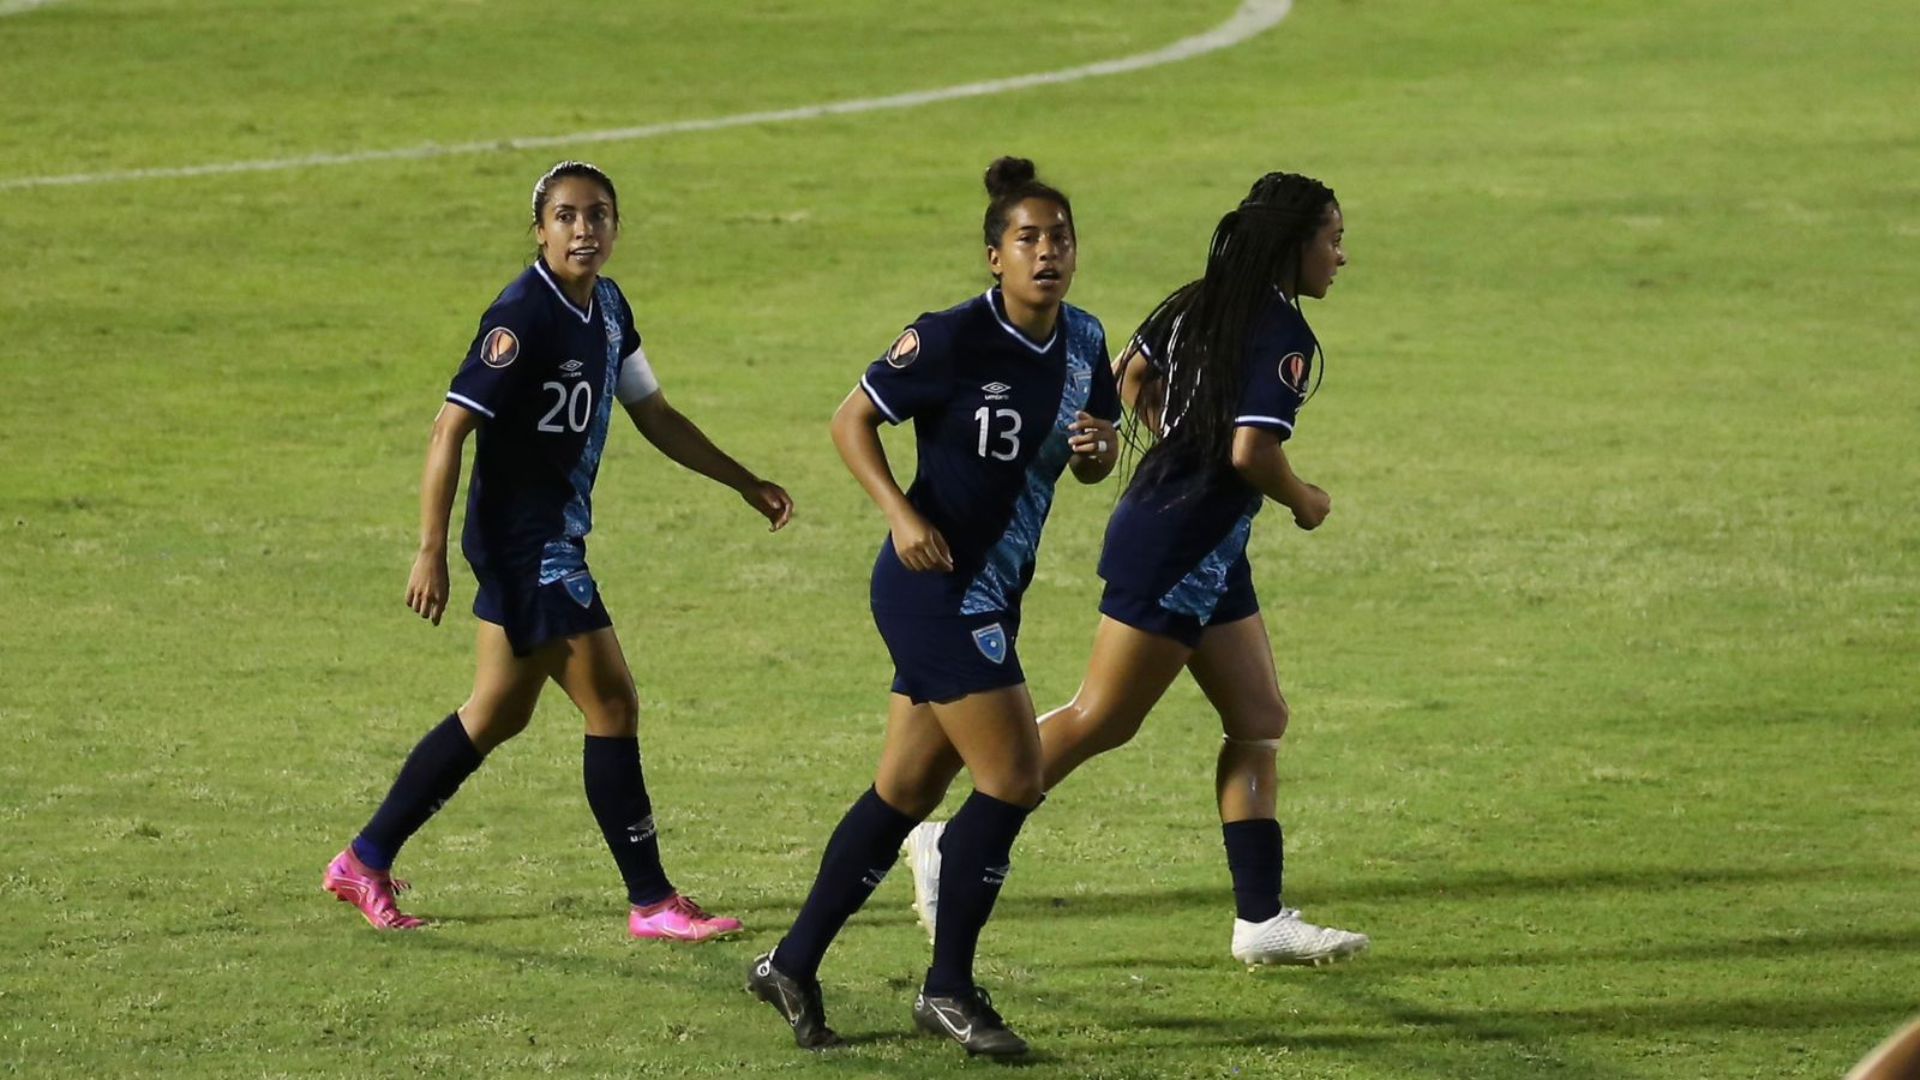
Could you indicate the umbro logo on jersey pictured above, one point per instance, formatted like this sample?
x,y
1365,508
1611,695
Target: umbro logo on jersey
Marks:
x,y
500,347
996,391
571,369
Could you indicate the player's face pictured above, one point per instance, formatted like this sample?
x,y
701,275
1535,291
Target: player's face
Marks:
x,y
1037,254
577,229
1323,255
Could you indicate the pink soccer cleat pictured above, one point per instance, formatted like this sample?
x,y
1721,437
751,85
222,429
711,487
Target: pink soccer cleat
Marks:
x,y
370,890
678,919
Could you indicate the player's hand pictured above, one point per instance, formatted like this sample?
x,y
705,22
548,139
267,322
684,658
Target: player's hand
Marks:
x,y
919,545
427,585
1317,505
772,501
1094,438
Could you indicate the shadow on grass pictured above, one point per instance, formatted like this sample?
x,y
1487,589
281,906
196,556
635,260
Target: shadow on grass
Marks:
x,y
1477,886
1547,1024
1383,961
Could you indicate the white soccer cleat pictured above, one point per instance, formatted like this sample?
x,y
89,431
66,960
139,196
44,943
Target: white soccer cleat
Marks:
x,y
1288,939
922,850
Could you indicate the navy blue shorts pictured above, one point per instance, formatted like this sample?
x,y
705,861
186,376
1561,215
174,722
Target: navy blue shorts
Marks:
x,y
1236,601
944,658
533,614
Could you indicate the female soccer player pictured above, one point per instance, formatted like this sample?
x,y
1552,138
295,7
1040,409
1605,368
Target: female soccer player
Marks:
x,y
1005,391
1216,376
538,383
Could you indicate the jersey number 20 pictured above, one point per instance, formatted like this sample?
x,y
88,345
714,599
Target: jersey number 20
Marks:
x,y
578,404
1011,435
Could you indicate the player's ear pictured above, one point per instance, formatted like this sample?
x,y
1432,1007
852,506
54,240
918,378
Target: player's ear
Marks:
x,y
993,261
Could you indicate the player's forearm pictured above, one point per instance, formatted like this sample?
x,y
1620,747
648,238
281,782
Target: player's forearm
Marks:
x,y
1262,462
1142,391
682,441
439,482
858,442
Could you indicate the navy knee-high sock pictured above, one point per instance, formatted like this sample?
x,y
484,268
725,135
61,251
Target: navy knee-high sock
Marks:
x,y
975,854
862,850
617,794
439,764
1255,858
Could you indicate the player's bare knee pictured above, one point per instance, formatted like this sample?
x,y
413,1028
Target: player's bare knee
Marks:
x,y
615,716
1112,730
914,796
488,724
1257,727
1017,784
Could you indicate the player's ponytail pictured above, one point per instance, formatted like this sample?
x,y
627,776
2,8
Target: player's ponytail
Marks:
x,y
1011,181
1199,334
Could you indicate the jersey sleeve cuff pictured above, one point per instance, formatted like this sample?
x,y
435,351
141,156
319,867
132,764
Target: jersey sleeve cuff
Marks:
x,y
878,401
1270,423
469,404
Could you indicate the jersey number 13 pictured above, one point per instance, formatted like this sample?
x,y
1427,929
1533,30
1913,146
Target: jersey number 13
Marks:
x,y
1011,436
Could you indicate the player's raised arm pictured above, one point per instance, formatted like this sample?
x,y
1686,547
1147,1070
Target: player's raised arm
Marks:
x,y
439,481
681,440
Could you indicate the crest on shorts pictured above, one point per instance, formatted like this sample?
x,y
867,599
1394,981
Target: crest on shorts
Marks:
x,y
1293,372
992,642
905,350
579,586
500,347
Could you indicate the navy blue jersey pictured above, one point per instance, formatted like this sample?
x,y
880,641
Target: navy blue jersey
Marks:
x,y
1176,538
990,410
542,371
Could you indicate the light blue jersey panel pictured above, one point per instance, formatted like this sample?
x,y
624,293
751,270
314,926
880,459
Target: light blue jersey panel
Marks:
x,y
1199,592
999,581
564,554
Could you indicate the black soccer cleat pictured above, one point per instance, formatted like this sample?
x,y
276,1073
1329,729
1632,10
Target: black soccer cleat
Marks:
x,y
797,1001
970,1020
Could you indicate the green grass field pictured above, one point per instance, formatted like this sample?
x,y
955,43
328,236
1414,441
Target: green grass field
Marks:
x,y
1604,670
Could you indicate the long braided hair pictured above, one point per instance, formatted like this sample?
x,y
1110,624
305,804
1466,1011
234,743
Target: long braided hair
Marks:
x,y
1199,334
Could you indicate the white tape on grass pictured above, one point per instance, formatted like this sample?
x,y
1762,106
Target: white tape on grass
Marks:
x,y
1253,18
15,7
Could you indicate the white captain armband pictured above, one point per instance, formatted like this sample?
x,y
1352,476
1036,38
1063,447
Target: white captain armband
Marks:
x,y
636,383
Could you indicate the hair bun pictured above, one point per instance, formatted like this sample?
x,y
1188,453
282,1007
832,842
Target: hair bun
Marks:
x,y
1007,174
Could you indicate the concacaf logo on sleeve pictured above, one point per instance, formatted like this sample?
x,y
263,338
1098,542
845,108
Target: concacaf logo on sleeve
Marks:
x,y
906,349
500,348
1293,372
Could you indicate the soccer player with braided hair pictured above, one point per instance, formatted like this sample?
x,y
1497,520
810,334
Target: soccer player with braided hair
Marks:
x,y
552,354
1006,391
1215,379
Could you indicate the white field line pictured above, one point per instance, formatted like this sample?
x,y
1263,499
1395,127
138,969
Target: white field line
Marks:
x,y
16,7
1252,18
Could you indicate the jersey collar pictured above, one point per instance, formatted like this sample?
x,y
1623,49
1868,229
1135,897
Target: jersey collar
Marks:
x,y
540,266
996,304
